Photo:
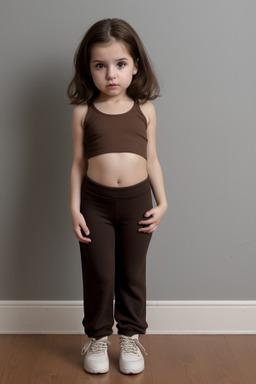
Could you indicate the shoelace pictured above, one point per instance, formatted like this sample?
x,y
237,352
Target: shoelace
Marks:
x,y
129,345
95,346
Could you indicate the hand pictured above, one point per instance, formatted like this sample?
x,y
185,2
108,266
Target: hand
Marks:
x,y
156,213
80,228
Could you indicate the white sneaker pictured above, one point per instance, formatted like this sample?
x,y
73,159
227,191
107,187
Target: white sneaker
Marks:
x,y
96,355
131,360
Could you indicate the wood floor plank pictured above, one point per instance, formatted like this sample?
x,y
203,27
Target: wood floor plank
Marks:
x,y
59,359
172,360
19,359
45,379
6,340
177,359
244,350
216,361
181,344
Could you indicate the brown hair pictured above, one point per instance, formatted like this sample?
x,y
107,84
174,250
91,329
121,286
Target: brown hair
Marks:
x,y
144,85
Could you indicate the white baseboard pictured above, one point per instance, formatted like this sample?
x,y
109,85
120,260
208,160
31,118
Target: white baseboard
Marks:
x,y
163,317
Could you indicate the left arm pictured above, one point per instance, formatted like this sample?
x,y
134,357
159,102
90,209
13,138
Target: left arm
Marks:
x,y
155,174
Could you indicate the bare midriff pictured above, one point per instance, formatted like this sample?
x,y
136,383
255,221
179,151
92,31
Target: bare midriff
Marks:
x,y
117,169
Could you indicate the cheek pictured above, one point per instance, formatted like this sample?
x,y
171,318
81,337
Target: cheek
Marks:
x,y
95,77
90,69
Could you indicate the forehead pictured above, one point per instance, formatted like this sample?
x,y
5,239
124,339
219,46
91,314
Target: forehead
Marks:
x,y
113,50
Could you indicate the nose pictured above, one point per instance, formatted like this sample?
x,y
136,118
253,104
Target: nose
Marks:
x,y
111,73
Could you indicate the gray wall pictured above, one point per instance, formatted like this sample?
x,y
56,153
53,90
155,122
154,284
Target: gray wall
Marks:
x,y
204,55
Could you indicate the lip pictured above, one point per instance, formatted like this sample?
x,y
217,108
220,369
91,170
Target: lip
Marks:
x,y
112,85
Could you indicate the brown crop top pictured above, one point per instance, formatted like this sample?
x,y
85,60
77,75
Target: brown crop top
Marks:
x,y
125,132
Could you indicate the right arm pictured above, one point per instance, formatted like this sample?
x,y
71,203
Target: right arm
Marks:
x,y
77,174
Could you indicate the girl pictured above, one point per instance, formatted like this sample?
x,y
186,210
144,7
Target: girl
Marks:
x,y
114,165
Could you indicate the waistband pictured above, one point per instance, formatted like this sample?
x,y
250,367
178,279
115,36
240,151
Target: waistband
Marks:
x,y
115,192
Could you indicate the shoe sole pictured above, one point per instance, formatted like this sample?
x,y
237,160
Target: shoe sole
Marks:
x,y
96,372
131,371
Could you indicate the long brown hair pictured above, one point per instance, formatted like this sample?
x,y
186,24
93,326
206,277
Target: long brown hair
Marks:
x,y
144,85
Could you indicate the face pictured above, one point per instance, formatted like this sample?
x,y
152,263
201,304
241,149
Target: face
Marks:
x,y
112,68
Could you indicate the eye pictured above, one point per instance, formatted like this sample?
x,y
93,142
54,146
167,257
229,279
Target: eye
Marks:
x,y
121,64
99,66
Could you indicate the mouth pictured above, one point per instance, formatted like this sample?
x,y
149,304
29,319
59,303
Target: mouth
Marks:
x,y
112,85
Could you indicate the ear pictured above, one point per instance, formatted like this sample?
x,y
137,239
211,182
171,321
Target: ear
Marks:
x,y
135,69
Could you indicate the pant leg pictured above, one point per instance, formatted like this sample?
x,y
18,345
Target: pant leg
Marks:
x,y
130,279
98,266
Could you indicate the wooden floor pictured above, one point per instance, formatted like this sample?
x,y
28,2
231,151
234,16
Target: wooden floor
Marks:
x,y
172,359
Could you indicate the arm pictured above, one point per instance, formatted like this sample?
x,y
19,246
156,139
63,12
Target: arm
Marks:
x,y
76,177
155,175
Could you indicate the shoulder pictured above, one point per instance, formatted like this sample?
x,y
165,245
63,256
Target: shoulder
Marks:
x,y
149,111
79,114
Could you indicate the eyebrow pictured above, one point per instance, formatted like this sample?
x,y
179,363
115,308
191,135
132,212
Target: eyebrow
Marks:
x,y
101,61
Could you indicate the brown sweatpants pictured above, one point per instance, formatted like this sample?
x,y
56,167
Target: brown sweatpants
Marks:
x,y
114,263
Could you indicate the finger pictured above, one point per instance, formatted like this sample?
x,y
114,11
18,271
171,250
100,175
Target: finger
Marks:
x,y
85,240
149,216
85,229
149,213
81,236
146,222
149,229
153,229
